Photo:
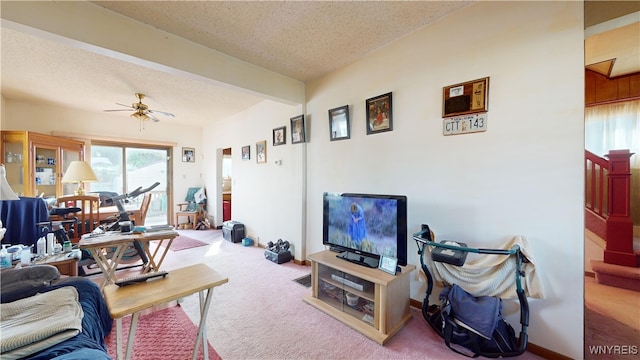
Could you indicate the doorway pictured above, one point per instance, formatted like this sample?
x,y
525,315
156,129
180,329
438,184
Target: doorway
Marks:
x,y
610,313
227,174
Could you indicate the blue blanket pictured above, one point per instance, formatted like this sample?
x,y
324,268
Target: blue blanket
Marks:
x,y
20,218
96,325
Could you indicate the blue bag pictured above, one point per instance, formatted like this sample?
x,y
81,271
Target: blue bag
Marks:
x,y
475,324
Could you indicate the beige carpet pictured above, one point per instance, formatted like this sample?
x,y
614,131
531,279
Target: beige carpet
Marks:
x,y
612,322
260,314
617,303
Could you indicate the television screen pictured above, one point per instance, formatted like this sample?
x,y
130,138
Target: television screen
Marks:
x,y
366,224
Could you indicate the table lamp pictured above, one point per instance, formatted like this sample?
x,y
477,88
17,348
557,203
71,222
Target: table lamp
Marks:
x,y
6,193
79,172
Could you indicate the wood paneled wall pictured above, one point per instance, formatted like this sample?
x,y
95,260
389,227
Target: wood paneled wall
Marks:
x,y
599,89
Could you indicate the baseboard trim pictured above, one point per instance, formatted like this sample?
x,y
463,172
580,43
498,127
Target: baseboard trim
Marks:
x,y
302,263
545,353
532,348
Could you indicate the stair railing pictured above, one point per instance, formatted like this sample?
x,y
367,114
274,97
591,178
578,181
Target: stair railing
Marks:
x,y
596,183
608,204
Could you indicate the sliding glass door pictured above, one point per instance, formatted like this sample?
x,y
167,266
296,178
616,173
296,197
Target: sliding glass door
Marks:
x,y
123,168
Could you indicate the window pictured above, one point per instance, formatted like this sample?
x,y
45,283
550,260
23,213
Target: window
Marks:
x,y
614,127
124,168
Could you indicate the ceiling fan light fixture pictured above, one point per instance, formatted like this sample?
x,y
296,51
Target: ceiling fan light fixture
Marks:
x,y
140,116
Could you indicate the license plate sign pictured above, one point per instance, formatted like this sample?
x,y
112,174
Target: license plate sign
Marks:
x,y
464,124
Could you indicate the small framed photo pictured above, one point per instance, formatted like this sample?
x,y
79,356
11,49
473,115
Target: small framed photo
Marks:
x,y
388,264
339,123
188,154
261,152
280,136
246,152
379,114
297,129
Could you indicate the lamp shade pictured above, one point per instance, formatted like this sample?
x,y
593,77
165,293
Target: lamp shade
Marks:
x,y
6,193
79,172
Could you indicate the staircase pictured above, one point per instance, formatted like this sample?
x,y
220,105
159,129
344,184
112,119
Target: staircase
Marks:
x,y
625,277
607,219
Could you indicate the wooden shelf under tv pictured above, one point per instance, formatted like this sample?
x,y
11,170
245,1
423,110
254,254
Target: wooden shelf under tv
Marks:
x,y
388,294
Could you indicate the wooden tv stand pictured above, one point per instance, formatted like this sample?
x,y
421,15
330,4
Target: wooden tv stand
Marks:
x,y
383,299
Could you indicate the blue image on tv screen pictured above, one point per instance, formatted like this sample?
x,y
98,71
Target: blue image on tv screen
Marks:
x,y
364,224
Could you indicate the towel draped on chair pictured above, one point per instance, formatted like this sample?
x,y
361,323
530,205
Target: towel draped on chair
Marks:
x,y
492,275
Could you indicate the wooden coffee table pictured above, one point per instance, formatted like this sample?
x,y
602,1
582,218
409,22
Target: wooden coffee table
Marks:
x,y
182,282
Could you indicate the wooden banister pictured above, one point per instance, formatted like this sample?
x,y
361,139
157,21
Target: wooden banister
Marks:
x,y
608,204
596,173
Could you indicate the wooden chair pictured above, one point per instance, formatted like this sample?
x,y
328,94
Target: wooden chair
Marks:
x,y
87,219
189,209
144,208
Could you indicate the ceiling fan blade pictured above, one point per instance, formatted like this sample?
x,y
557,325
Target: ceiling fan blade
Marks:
x,y
161,112
118,110
150,115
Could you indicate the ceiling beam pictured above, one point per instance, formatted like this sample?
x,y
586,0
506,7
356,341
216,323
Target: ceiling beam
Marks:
x,y
96,29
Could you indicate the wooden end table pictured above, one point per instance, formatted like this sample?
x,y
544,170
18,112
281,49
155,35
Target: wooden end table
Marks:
x,y
66,264
182,282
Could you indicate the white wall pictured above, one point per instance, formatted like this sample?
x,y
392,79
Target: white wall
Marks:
x,y
522,176
266,198
45,119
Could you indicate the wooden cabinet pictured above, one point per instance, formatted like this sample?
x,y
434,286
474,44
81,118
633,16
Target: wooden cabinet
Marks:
x,y
36,162
369,300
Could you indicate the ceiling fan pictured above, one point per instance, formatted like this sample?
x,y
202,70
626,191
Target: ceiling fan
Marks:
x,y
142,111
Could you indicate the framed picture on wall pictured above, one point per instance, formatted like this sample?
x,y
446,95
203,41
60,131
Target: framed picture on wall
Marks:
x,y
339,123
246,152
379,114
465,98
297,129
188,154
280,136
261,152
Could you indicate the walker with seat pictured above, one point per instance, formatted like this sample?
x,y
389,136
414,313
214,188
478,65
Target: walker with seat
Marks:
x,y
453,254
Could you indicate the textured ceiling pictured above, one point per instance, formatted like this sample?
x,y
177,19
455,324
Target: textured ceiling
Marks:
x,y
302,40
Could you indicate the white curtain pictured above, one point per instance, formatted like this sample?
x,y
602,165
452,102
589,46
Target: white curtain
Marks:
x,y
614,127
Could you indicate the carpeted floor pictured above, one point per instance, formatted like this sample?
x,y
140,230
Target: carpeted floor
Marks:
x,y
603,332
260,314
163,334
611,321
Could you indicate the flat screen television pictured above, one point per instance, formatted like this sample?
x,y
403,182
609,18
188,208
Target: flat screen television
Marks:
x,y
365,226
